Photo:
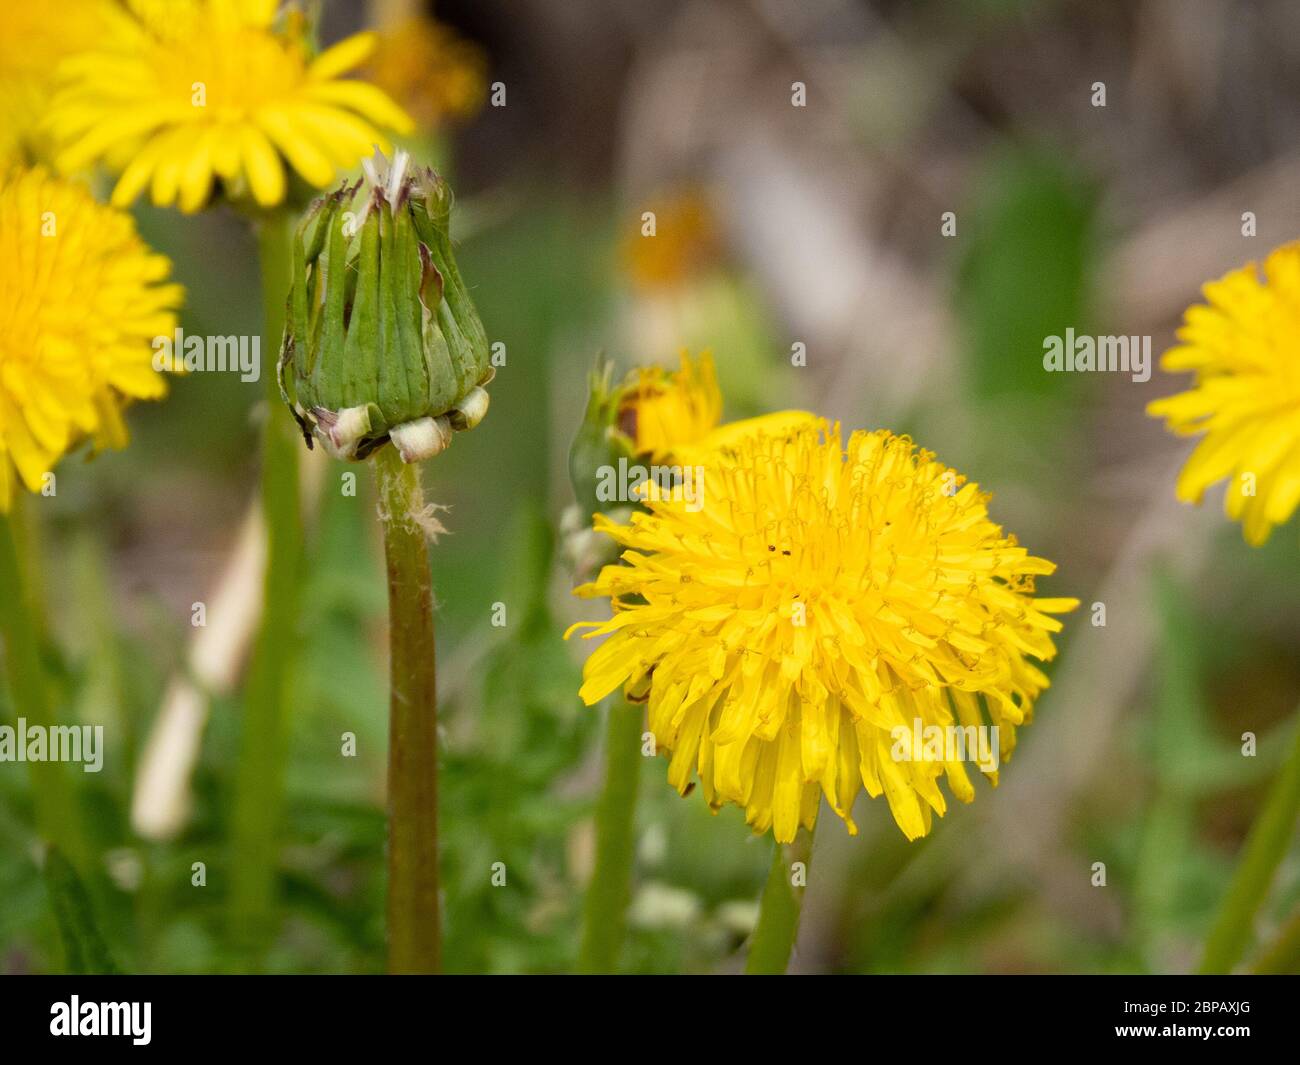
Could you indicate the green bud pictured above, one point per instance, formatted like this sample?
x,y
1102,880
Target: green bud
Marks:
x,y
598,442
381,339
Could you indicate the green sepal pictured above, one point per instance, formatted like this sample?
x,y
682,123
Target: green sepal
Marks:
x,y
362,342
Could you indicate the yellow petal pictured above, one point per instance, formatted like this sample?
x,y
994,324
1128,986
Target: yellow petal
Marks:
x,y
265,172
342,57
301,152
366,100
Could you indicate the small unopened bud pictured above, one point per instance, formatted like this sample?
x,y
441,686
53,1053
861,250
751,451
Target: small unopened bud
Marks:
x,y
597,444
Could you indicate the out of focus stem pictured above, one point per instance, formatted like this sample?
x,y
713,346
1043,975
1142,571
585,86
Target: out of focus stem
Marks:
x,y
1266,846
778,915
608,892
414,922
260,779
58,819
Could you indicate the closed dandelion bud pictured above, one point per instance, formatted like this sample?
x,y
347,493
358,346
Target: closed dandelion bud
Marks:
x,y
596,450
382,342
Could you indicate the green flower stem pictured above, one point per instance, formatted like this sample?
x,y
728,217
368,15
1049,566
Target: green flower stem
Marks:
x,y
25,529
58,818
605,910
414,924
1264,850
260,779
778,915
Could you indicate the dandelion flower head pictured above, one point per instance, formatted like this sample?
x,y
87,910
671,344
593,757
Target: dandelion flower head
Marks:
x,y
437,75
825,599
189,91
81,299
36,38
1243,346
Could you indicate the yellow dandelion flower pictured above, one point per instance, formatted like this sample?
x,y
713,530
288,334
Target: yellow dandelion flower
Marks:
x,y
81,299
192,91
1243,345
434,73
36,38
661,410
824,606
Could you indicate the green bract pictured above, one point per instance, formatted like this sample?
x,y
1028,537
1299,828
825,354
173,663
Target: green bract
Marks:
x,y
381,340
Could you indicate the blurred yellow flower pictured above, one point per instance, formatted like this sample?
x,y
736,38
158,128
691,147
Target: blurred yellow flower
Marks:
x,y
81,299
434,73
1243,345
661,410
824,608
685,241
36,38
188,91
